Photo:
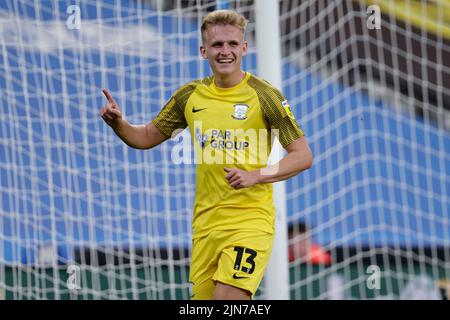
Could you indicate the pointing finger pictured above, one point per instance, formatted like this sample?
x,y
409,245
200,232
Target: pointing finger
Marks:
x,y
108,95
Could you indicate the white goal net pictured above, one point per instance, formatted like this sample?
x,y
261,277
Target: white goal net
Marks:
x,y
83,216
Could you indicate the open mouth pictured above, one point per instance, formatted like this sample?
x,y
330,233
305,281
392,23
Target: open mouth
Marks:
x,y
225,61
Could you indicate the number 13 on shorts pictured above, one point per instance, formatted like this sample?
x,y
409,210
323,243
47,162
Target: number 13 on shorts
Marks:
x,y
250,256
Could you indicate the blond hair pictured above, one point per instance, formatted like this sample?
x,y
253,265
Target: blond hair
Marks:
x,y
223,17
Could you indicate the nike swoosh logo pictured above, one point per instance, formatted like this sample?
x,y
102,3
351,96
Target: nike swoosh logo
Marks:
x,y
238,277
197,110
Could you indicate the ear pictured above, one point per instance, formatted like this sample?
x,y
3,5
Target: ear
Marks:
x,y
203,52
244,48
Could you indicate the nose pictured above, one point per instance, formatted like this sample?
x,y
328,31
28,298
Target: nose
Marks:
x,y
226,49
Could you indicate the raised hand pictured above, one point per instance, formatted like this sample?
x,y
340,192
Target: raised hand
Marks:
x,y
111,112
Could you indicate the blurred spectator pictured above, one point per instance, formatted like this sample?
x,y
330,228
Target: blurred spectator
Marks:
x,y
444,287
301,246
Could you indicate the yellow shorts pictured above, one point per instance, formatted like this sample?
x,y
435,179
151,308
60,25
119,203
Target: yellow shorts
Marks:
x,y
237,258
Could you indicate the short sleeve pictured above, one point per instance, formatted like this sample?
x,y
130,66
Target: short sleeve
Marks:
x,y
171,117
277,112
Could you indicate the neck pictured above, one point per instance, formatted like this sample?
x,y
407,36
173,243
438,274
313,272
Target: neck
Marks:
x,y
229,81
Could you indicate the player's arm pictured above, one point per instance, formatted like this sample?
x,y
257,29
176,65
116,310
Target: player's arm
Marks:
x,y
136,136
299,158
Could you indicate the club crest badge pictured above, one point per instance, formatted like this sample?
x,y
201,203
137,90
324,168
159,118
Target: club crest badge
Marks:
x,y
287,108
240,111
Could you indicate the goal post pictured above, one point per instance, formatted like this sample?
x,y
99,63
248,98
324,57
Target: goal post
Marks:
x,y
268,49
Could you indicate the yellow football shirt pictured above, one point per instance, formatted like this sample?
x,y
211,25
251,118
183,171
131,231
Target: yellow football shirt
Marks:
x,y
230,127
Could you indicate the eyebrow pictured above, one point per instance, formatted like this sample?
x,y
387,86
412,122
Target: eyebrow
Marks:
x,y
222,42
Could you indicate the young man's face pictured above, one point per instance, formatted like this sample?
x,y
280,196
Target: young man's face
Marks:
x,y
224,47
